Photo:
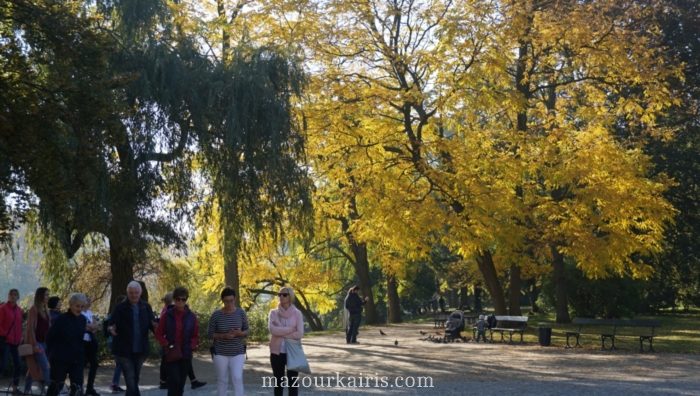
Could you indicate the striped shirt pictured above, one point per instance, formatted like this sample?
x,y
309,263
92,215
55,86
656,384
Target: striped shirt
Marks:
x,y
222,322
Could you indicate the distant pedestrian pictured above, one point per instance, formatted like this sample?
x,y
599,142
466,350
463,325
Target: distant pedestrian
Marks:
x,y
38,321
54,307
354,303
91,348
481,326
11,335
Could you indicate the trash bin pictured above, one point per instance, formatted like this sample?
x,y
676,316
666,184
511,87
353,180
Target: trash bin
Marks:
x,y
545,335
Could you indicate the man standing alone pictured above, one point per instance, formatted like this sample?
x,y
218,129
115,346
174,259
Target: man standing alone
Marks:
x,y
353,303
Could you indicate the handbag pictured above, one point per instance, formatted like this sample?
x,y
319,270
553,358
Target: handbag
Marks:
x,y
173,353
296,359
25,350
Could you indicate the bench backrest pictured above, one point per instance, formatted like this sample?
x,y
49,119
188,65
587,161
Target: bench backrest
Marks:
x,y
511,321
615,323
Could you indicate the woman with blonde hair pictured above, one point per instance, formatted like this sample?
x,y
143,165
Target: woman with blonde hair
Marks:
x,y
38,322
284,322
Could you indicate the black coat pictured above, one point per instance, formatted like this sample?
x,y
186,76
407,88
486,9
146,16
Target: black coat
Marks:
x,y
354,303
65,339
122,319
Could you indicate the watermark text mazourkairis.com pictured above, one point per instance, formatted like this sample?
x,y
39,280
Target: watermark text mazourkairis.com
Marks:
x,y
353,381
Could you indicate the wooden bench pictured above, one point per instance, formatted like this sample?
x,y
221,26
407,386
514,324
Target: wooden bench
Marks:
x,y
439,318
510,325
612,328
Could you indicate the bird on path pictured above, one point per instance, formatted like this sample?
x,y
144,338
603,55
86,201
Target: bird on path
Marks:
x,y
438,332
396,342
422,332
381,332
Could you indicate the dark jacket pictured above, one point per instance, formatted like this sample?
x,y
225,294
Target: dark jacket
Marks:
x,y
65,339
167,326
122,319
354,303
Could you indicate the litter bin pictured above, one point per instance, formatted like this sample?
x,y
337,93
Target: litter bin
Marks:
x,y
545,335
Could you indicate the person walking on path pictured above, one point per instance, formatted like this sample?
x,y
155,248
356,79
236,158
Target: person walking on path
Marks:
x,y
284,322
66,347
353,303
129,325
38,322
91,348
116,375
194,382
228,327
11,335
178,331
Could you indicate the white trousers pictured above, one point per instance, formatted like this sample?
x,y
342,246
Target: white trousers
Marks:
x,y
229,367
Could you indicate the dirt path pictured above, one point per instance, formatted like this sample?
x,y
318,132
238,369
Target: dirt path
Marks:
x,y
458,369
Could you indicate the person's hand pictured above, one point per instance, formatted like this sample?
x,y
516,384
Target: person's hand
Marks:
x,y
112,330
38,349
366,298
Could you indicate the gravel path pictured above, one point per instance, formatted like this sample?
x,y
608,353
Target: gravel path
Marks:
x,y
457,369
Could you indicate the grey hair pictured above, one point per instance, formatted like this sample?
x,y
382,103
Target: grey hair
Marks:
x,y
77,298
168,298
134,285
291,293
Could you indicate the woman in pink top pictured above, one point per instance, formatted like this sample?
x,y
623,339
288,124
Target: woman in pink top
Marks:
x,y
284,322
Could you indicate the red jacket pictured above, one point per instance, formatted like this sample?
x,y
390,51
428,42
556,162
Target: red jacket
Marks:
x,y
11,323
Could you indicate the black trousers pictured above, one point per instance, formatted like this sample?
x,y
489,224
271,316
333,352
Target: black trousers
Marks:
x,y
91,350
59,371
164,373
353,328
176,373
279,364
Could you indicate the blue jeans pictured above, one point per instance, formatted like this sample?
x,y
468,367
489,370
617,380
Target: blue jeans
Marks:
x,y
117,372
131,366
43,363
12,350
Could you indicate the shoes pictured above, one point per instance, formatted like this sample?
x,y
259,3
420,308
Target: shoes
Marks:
x,y
163,385
197,384
354,342
91,392
116,389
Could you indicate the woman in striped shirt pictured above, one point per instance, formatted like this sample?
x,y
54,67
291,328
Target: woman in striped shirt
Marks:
x,y
228,327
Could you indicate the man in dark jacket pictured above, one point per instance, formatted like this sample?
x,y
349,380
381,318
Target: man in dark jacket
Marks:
x,y
129,326
65,345
353,303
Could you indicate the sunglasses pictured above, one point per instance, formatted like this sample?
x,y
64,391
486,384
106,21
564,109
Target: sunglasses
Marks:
x,y
181,299
282,294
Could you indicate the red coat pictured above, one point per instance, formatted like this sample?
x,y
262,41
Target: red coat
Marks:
x,y
11,323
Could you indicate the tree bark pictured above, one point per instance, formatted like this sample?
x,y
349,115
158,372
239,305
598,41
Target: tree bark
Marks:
x,y
485,262
514,287
478,306
121,259
231,276
392,293
463,298
311,317
361,264
562,304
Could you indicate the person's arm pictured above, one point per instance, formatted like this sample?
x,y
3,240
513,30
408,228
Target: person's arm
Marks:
x,y
243,331
195,337
275,327
298,331
160,333
30,334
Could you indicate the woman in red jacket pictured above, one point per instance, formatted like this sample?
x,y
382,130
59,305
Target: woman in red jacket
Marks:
x,y
178,334
11,334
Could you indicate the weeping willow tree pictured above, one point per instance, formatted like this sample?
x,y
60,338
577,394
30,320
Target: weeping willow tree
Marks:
x,y
115,103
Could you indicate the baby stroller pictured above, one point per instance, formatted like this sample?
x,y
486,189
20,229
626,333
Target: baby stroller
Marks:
x,y
454,326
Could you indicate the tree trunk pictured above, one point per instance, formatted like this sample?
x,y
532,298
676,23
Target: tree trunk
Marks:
x,y
311,317
231,276
463,298
514,287
493,285
478,306
362,269
533,293
562,304
392,294
121,260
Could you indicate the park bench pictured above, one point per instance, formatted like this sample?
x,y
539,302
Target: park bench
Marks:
x,y
439,318
510,325
609,329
